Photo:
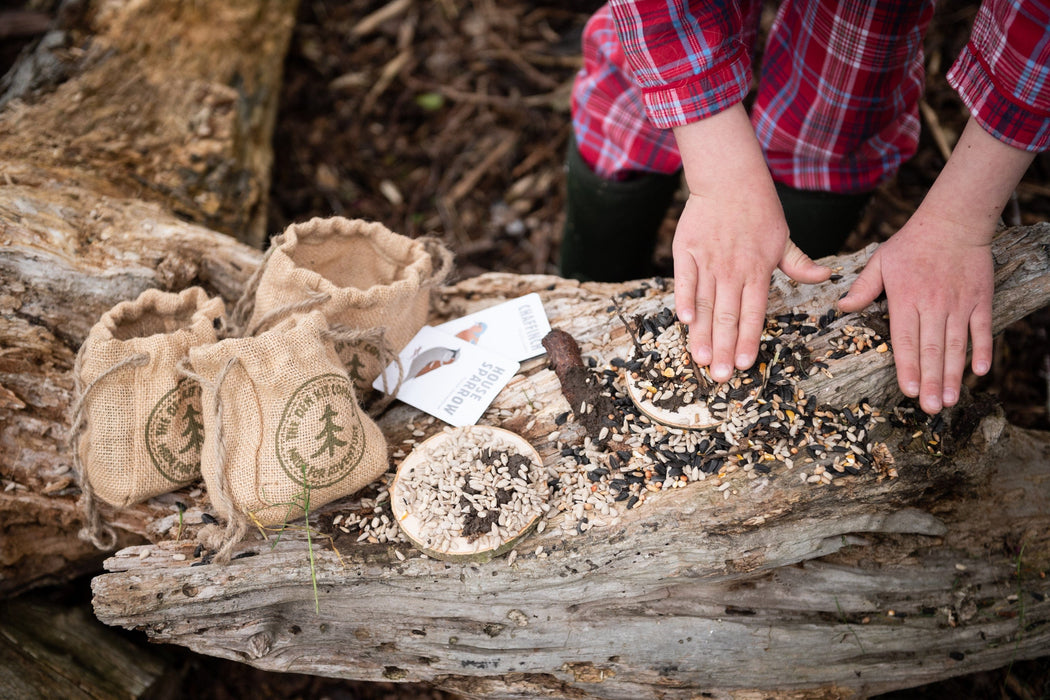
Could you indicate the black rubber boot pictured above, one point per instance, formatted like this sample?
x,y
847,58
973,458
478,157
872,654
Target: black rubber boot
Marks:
x,y
820,222
611,227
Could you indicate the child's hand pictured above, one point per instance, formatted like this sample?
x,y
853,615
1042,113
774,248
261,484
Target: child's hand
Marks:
x,y
937,270
730,238
725,250
939,290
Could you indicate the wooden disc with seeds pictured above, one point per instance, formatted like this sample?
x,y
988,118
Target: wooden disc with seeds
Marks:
x,y
695,415
433,483
663,381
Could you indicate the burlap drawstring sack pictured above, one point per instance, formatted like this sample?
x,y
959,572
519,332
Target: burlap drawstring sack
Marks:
x,y
136,427
283,429
360,274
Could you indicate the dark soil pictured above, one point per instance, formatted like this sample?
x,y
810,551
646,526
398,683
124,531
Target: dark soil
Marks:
x,y
451,119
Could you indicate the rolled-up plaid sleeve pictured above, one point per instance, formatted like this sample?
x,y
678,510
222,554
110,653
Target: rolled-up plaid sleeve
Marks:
x,y
1003,74
691,59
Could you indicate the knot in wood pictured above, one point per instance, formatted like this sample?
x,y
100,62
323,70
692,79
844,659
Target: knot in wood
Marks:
x,y
260,644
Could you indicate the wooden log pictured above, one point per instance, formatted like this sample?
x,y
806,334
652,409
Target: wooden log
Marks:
x,y
127,120
60,273
785,590
791,592
61,269
163,100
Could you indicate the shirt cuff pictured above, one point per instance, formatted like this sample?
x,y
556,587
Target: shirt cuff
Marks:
x,y
699,96
1001,114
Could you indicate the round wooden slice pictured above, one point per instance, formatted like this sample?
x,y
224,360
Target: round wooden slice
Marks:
x,y
461,548
694,416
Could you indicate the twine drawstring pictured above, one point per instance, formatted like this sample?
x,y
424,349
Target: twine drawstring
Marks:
x,y
236,521
245,306
314,300
94,531
437,251
387,355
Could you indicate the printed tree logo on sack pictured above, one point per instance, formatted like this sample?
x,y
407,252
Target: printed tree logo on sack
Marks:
x,y
175,433
355,365
320,438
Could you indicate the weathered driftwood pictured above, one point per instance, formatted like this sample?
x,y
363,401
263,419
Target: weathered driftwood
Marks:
x,y
123,114
688,596
788,589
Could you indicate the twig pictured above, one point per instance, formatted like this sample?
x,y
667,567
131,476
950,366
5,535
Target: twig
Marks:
x,y
469,182
531,72
700,378
450,219
550,100
1033,189
939,137
634,338
370,22
541,155
386,77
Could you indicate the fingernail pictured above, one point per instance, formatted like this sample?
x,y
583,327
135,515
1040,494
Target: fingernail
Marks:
x,y
949,397
981,367
911,389
702,356
743,361
685,316
722,372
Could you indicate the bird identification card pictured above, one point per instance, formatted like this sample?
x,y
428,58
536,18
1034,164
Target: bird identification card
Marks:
x,y
448,377
512,329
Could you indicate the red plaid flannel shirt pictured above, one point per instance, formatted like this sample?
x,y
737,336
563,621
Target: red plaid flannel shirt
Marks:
x,y
837,97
